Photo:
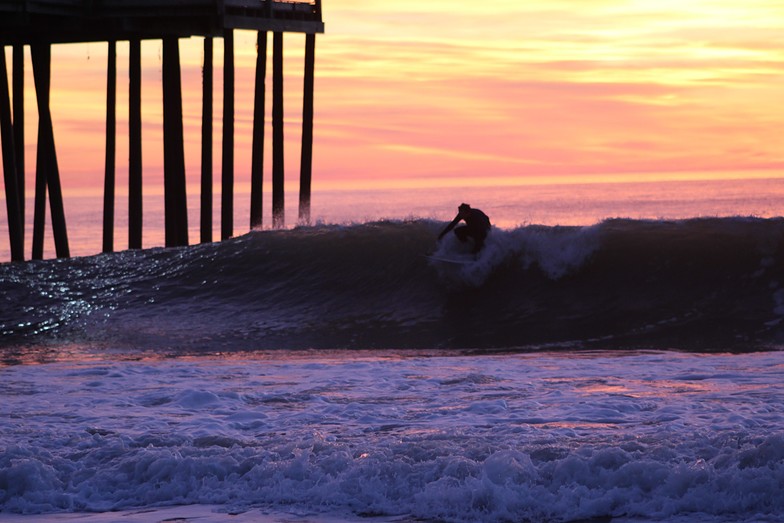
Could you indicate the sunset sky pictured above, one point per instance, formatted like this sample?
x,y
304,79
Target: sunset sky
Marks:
x,y
430,93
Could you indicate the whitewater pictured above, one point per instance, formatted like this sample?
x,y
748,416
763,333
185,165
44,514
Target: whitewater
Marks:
x,y
638,436
624,369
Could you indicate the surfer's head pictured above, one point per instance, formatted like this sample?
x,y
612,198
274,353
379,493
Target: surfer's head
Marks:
x,y
463,209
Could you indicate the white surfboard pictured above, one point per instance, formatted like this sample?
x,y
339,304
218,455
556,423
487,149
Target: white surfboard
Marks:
x,y
457,260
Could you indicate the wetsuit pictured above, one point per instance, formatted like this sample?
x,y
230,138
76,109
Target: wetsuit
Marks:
x,y
477,225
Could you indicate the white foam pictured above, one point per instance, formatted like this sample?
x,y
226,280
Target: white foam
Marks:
x,y
489,438
778,300
556,251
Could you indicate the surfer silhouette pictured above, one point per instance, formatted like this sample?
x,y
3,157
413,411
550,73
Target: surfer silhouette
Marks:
x,y
476,227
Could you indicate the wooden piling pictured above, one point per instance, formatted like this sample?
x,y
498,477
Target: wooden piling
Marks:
x,y
19,125
257,153
306,159
175,203
278,217
134,145
206,144
111,129
39,206
42,73
13,209
227,175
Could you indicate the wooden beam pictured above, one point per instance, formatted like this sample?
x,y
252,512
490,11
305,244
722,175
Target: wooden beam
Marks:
x,y
318,11
278,217
13,209
173,147
227,175
257,154
274,25
111,131
206,144
42,72
306,160
134,145
19,125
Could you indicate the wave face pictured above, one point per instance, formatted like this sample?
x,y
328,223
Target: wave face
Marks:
x,y
699,284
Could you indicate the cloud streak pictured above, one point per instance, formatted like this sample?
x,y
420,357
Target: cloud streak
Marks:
x,y
413,90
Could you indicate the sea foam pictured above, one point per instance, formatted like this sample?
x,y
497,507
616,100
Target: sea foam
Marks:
x,y
547,436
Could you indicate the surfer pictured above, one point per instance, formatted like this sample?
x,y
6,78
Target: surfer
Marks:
x,y
477,225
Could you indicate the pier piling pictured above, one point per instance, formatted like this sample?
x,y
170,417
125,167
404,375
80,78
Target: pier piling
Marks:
x,y
47,153
19,125
134,144
227,176
111,131
206,144
12,192
306,159
257,158
278,218
175,204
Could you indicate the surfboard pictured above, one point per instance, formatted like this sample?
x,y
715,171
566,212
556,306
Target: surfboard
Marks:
x,y
458,260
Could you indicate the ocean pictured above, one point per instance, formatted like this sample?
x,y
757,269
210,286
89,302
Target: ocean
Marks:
x,y
612,354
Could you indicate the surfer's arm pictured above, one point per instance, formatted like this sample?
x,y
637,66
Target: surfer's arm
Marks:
x,y
449,227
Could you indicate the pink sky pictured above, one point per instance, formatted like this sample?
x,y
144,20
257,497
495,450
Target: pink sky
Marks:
x,y
433,93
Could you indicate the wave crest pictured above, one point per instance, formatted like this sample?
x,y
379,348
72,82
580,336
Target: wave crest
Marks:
x,y
696,284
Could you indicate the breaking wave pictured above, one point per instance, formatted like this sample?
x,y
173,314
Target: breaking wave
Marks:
x,y
698,284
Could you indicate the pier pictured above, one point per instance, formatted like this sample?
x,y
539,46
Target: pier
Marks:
x,y
40,24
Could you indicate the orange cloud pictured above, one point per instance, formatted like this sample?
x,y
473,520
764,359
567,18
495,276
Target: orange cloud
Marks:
x,y
432,90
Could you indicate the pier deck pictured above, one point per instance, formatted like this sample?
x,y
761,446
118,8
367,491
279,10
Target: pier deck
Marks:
x,y
62,21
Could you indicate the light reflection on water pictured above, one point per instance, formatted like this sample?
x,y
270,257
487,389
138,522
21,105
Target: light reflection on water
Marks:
x,y
507,206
